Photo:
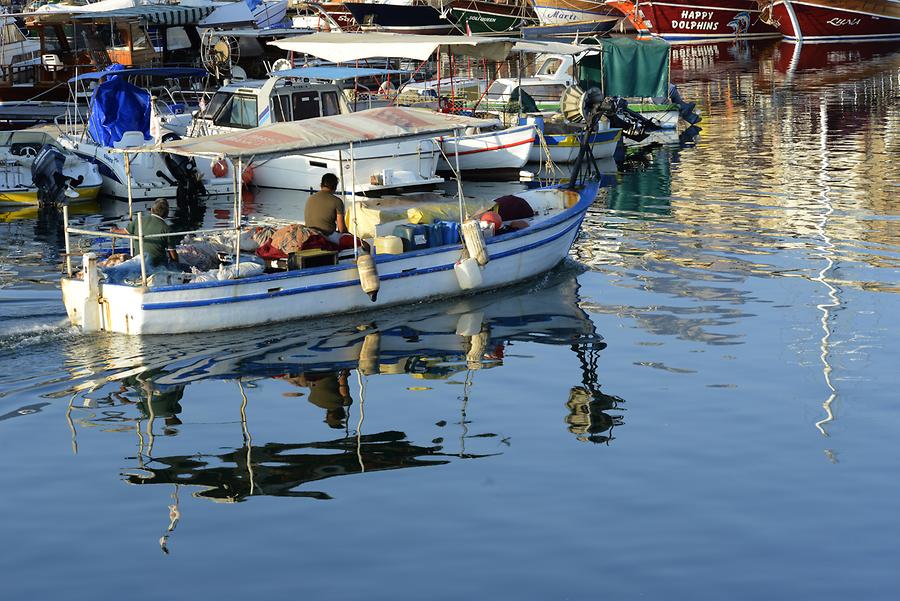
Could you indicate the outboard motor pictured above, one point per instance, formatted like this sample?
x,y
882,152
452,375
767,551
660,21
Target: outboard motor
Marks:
x,y
47,173
633,125
188,180
685,109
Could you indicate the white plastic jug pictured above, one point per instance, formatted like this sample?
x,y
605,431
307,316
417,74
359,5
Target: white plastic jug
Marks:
x,y
389,245
468,273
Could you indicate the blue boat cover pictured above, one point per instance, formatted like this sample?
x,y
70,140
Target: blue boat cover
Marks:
x,y
117,107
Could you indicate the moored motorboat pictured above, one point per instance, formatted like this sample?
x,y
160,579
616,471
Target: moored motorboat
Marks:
x,y
408,277
18,152
834,20
121,118
308,92
488,149
560,143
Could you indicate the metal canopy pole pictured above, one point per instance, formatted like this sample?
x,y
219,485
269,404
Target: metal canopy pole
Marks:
x,y
130,199
353,200
238,203
140,228
459,187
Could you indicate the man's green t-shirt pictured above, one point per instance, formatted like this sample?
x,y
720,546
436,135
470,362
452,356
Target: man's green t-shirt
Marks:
x,y
154,247
322,209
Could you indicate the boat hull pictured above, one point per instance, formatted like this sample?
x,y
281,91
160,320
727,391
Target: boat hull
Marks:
x,y
29,196
396,18
837,20
488,17
556,12
380,167
407,278
564,148
491,151
596,26
145,183
689,20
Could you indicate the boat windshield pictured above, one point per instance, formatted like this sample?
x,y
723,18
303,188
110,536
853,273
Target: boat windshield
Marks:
x,y
217,102
238,111
544,92
498,91
550,66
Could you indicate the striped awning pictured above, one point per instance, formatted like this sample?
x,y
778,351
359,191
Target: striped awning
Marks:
x,y
154,14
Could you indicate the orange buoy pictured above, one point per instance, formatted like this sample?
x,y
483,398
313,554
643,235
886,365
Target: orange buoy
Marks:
x,y
494,219
220,168
247,175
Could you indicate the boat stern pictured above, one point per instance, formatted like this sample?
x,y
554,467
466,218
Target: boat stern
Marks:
x,y
94,306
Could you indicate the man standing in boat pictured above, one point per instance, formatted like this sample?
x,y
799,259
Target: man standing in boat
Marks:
x,y
158,250
325,212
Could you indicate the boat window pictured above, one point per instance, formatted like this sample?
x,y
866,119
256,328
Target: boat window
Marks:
x,y
330,104
545,92
306,105
550,66
239,111
497,89
281,108
216,103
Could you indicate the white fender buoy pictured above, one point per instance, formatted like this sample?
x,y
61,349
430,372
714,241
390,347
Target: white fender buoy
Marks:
x,y
368,275
369,352
477,347
474,240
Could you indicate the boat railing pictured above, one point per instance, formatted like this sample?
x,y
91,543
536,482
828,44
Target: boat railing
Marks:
x,y
138,238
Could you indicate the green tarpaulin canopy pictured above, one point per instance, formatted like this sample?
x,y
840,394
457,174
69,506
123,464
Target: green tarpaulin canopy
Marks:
x,y
627,67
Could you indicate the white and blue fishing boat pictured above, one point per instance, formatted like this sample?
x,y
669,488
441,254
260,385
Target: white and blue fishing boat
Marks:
x,y
436,272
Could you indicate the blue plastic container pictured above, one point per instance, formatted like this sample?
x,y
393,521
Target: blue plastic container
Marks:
x,y
448,232
415,237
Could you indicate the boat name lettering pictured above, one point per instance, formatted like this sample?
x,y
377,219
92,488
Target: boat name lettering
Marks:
x,y
696,25
837,22
554,16
703,15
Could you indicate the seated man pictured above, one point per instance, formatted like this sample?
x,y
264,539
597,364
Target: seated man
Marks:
x,y
325,212
158,250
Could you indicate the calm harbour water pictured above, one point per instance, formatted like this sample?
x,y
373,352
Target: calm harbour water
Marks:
x,y
700,404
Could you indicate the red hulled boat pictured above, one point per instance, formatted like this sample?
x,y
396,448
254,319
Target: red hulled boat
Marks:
x,y
696,20
835,20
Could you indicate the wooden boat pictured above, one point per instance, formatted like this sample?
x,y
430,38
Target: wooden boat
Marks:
x,y
405,278
693,20
571,18
78,38
834,20
478,16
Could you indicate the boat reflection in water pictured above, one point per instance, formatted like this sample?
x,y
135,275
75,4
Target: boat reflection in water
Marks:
x,y
327,362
